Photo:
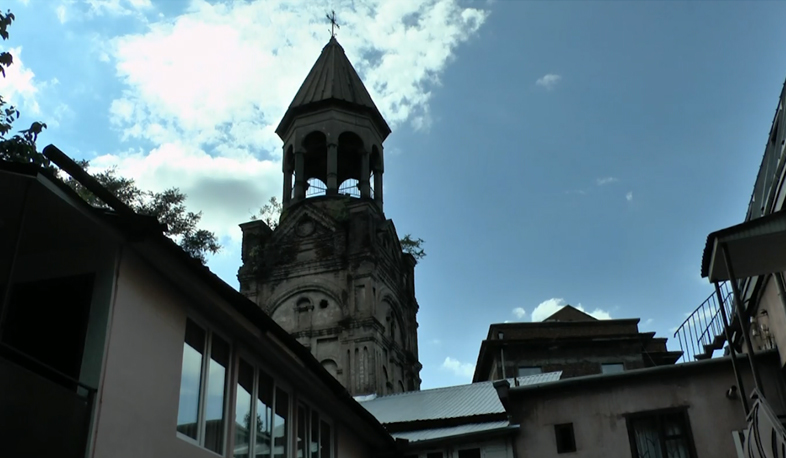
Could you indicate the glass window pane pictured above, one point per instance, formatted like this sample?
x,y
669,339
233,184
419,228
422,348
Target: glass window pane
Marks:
x,y
314,435
529,370
190,380
612,368
302,423
325,443
216,387
647,439
673,424
264,415
280,437
243,421
676,448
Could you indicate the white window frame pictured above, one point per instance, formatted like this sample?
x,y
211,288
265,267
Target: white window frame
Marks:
x,y
257,365
203,386
304,401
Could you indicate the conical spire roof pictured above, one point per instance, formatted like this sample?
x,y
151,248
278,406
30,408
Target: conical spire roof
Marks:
x,y
332,81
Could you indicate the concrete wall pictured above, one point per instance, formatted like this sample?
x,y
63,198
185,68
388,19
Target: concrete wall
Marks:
x,y
598,411
139,394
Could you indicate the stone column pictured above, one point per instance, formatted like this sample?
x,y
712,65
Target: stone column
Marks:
x,y
287,196
378,187
365,172
332,169
300,176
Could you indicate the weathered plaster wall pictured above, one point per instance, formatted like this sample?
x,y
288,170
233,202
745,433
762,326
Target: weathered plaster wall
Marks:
x,y
598,412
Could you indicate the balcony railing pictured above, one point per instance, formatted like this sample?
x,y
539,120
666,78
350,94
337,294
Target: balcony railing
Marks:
x,y
43,412
702,332
765,436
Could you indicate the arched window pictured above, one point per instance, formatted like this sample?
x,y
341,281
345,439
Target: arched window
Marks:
x,y
315,163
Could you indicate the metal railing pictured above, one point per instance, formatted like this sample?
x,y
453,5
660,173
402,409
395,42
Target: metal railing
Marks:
x,y
702,332
765,436
350,187
315,187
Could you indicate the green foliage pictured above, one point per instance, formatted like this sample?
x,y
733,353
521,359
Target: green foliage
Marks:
x,y
18,148
270,213
167,206
413,246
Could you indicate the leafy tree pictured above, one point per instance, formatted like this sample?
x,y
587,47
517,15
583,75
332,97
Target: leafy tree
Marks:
x,y
270,213
167,206
413,247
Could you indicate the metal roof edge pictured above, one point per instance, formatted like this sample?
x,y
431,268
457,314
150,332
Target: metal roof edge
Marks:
x,y
590,380
466,437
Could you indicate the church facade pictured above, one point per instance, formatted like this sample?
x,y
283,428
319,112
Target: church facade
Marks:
x,y
332,272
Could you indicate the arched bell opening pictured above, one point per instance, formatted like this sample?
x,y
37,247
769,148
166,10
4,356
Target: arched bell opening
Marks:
x,y
376,168
315,161
315,187
349,166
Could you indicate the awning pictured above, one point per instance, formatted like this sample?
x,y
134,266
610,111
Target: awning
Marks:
x,y
756,247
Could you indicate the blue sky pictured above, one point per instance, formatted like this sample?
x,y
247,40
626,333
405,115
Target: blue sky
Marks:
x,y
548,152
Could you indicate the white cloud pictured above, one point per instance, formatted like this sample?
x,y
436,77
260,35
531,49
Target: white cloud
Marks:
x,y
228,190
458,368
606,180
116,7
519,312
629,196
648,322
62,13
549,307
436,342
210,86
19,87
548,81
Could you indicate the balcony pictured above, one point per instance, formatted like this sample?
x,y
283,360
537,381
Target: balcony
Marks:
x,y
42,411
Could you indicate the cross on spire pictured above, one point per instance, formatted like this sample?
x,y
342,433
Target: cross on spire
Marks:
x,y
333,24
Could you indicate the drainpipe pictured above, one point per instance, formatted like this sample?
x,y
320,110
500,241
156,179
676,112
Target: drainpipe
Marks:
x,y
781,287
14,257
502,359
742,317
732,351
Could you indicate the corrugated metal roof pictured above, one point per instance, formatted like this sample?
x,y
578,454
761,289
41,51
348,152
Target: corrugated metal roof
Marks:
x,y
439,433
333,78
450,402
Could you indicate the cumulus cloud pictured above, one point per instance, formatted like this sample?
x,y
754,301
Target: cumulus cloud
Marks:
x,y
548,81
458,368
19,86
210,86
519,313
549,307
606,180
226,189
629,196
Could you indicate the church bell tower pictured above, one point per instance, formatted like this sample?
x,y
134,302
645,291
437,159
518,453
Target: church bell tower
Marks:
x,y
332,272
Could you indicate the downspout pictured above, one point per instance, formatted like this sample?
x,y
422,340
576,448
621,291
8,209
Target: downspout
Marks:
x,y
502,359
741,316
732,351
14,257
781,287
